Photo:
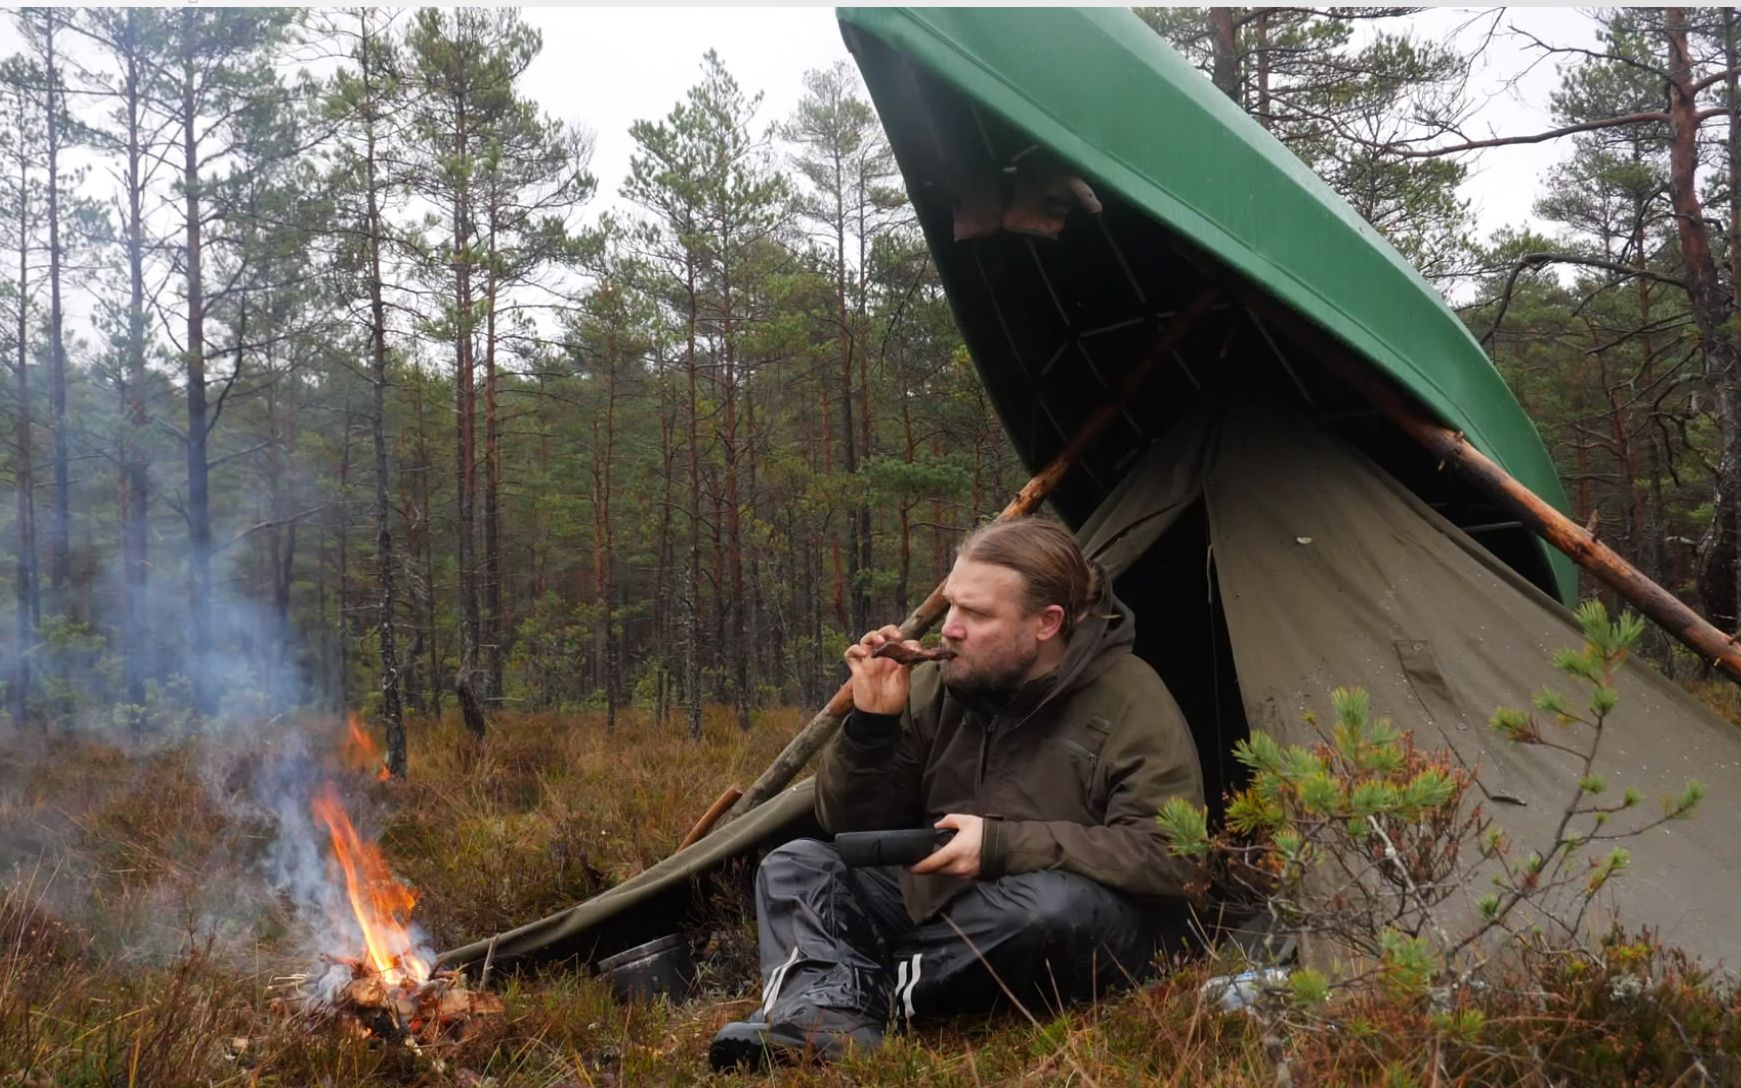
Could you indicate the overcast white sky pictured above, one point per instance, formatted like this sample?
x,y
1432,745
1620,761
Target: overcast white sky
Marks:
x,y
607,67
603,68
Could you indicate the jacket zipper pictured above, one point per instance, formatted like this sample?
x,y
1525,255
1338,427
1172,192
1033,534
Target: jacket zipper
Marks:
x,y
984,754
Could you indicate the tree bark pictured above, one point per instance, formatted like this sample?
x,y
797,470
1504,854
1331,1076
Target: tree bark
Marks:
x,y
1731,379
909,450
738,633
198,469
604,554
691,615
411,678
29,609
858,610
60,523
1263,72
663,634
1711,315
492,627
392,715
1225,52
342,694
136,655
465,394
425,543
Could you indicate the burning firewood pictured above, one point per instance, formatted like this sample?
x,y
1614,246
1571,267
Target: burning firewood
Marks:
x,y
906,655
389,991
351,996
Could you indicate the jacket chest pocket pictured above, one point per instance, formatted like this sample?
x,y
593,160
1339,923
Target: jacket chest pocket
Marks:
x,y
1081,745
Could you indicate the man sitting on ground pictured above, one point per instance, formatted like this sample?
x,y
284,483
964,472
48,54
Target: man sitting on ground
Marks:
x,y
1048,748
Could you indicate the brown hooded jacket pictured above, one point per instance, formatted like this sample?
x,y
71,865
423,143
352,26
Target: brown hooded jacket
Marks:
x,y
1068,773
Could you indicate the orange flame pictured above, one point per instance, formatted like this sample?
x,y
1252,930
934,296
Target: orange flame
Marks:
x,y
382,904
359,751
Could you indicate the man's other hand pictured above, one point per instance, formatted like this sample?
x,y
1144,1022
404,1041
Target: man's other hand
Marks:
x,y
960,855
879,686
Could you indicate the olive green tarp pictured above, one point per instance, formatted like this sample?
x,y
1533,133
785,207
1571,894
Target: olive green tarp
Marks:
x,y
1332,574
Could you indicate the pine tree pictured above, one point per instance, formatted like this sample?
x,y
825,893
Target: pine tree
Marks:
x,y
20,136
130,40
462,67
215,63
851,199
366,99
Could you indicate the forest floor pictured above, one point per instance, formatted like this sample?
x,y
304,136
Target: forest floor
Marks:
x,y
139,943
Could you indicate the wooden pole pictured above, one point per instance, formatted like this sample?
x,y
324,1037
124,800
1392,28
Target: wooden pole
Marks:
x,y
1579,544
710,817
821,729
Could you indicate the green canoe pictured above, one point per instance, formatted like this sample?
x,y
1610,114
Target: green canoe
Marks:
x,y
980,102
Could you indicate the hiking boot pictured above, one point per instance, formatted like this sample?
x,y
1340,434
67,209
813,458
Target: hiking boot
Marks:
x,y
821,1035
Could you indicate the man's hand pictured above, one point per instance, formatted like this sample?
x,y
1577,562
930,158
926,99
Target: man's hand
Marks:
x,y
960,855
879,686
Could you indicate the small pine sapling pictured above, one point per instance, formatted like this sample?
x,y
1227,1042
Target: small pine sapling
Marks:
x,y
1361,839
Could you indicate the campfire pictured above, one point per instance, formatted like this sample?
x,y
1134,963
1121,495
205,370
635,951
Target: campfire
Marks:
x,y
386,988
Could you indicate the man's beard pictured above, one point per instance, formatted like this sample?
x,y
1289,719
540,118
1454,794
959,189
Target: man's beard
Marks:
x,y
991,679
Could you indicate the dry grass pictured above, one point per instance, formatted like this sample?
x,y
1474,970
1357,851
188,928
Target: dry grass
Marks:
x,y
136,946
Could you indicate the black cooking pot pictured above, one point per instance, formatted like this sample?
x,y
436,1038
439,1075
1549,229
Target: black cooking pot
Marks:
x,y
659,967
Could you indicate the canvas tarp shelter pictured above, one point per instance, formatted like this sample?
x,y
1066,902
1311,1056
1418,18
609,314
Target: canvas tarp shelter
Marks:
x,y
1328,573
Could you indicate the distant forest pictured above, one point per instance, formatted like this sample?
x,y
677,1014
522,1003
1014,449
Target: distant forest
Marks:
x,y
328,385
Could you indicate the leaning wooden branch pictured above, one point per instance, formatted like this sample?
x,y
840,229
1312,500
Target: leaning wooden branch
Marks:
x,y
823,726
711,816
1579,544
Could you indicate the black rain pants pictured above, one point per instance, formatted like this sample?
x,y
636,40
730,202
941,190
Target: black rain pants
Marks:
x,y
836,939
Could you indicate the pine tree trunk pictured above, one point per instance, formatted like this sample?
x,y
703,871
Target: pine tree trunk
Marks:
x,y
866,561
857,620
493,623
906,508
866,426
392,712
342,696
939,546
1263,65
60,523
198,500
838,582
137,659
428,634
539,549
691,633
717,646
1225,52
1731,375
465,394
763,647
412,667
663,634
604,558
1710,305
29,606
737,631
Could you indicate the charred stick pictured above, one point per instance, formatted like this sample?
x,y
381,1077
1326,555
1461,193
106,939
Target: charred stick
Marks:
x,y
902,654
